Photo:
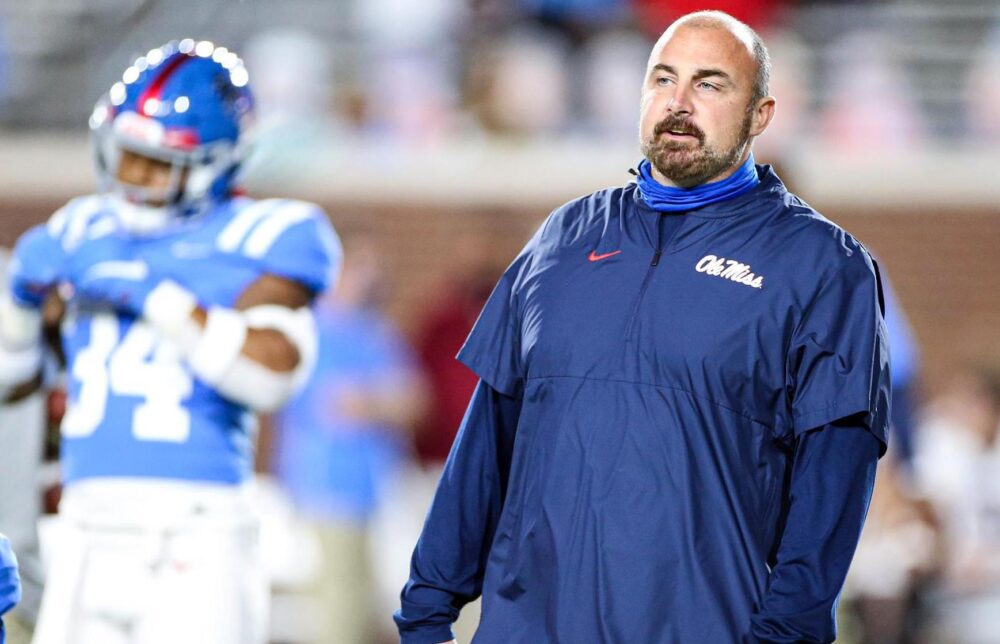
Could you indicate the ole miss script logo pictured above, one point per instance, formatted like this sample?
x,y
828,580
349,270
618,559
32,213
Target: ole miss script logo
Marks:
x,y
729,269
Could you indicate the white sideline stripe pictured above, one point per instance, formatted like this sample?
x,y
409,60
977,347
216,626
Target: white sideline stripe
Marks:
x,y
265,234
232,235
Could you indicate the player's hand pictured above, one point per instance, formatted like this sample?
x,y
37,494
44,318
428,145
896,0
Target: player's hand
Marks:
x,y
110,271
38,263
10,580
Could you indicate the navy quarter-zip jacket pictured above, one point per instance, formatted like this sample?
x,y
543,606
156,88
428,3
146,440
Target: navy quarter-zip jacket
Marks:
x,y
675,433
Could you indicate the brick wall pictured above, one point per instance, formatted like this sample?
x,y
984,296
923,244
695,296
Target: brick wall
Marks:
x,y
945,266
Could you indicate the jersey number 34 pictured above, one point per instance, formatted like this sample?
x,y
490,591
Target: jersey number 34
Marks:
x,y
136,365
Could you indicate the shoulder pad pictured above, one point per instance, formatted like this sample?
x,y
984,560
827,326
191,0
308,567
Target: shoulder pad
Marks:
x,y
79,219
287,237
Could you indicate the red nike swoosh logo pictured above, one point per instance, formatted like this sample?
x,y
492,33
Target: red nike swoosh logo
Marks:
x,y
594,257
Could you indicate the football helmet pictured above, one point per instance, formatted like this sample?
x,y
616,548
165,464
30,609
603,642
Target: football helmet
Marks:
x,y
186,104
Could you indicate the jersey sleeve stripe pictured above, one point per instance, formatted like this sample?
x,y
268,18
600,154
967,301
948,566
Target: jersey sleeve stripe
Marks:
x,y
57,223
78,218
62,218
233,234
261,239
102,225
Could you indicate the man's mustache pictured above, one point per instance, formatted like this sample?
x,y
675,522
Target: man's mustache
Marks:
x,y
679,125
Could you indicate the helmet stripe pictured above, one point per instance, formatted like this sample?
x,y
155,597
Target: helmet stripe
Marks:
x,y
156,87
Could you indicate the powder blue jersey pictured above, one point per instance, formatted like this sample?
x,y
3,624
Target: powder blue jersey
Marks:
x,y
135,408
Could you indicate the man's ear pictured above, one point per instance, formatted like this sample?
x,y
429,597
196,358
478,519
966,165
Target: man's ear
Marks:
x,y
762,115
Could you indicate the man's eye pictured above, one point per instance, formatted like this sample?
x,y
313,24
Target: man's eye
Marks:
x,y
662,80
707,85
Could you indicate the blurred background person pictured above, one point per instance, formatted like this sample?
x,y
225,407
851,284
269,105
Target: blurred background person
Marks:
x,y
10,586
906,385
341,441
958,469
294,82
896,564
899,553
759,15
863,64
22,436
409,50
442,326
186,311
983,89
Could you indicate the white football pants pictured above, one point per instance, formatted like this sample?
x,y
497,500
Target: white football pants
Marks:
x,y
137,561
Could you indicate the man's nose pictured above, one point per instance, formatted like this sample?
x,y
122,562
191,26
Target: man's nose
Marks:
x,y
680,102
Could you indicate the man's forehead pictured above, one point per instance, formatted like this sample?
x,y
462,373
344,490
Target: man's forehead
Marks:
x,y
716,42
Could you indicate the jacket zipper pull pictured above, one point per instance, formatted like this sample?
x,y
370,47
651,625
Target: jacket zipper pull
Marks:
x,y
659,241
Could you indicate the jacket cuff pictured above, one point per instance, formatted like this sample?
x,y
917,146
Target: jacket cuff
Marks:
x,y
428,635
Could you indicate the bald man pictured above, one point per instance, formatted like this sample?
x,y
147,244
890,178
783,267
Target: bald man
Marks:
x,y
683,395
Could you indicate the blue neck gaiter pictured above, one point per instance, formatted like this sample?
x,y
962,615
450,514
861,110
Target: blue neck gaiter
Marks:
x,y
668,199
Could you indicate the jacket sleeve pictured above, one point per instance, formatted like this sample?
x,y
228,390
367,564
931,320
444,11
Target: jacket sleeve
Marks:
x,y
446,571
838,357
833,474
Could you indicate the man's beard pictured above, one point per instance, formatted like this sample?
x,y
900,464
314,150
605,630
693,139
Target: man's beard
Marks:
x,y
688,166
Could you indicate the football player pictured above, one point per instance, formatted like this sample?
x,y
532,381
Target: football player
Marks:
x,y
186,311
10,584
22,441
